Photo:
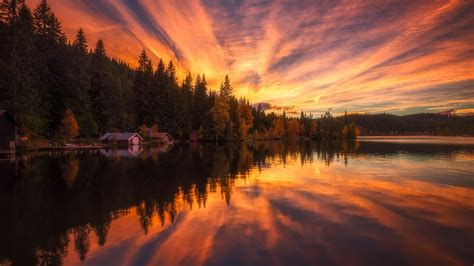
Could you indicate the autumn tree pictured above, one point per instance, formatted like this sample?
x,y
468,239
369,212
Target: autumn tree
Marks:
x,y
220,116
293,128
69,127
278,128
245,117
350,131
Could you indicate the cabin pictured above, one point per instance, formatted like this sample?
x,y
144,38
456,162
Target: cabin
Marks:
x,y
160,137
8,133
121,139
156,137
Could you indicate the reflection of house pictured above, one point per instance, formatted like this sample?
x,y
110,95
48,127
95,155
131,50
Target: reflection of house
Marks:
x,y
195,136
121,139
8,172
152,134
132,151
160,137
8,127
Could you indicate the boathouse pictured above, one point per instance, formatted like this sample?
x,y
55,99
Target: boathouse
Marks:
x,y
8,132
121,139
161,137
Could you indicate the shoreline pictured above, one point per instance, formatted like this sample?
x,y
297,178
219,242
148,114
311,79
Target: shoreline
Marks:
x,y
420,139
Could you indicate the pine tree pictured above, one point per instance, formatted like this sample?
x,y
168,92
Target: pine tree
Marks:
x,y
19,85
9,10
201,104
80,100
107,99
47,26
80,43
99,51
144,63
185,102
143,90
226,88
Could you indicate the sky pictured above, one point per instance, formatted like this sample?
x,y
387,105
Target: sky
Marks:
x,y
367,56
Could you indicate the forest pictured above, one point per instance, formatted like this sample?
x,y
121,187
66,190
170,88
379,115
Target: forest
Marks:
x,y
57,87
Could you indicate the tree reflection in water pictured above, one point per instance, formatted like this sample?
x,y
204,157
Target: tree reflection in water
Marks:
x,y
53,199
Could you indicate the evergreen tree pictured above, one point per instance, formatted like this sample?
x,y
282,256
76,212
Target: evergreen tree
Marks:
x,y
47,26
143,90
80,43
170,117
226,88
9,9
158,94
19,81
80,99
107,100
99,51
185,101
201,104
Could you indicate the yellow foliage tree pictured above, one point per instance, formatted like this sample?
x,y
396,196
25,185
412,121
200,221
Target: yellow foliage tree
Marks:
x,y
69,127
278,128
220,116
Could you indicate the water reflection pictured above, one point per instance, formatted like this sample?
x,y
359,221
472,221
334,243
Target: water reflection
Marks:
x,y
263,203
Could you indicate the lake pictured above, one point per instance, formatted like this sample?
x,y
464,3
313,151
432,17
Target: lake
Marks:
x,y
370,202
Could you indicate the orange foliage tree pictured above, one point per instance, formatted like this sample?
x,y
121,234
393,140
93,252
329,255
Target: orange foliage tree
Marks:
x,y
293,128
69,127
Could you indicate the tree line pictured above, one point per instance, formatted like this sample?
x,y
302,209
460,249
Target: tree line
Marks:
x,y
55,87
414,124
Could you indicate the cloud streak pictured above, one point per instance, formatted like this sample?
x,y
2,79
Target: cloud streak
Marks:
x,y
361,56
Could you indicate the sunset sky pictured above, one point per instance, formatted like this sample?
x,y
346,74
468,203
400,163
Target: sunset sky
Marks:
x,y
360,56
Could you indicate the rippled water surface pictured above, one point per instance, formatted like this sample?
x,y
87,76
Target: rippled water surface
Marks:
x,y
267,203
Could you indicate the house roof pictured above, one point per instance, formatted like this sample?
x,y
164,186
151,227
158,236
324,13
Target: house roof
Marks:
x,y
119,136
12,119
159,135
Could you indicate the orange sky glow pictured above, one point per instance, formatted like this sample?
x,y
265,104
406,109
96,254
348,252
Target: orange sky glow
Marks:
x,y
360,56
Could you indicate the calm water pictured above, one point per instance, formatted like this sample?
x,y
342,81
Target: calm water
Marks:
x,y
272,203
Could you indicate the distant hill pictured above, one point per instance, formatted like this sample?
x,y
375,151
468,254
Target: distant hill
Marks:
x,y
416,124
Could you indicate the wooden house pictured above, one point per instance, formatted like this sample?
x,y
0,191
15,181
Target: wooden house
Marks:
x,y
160,137
8,133
121,139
